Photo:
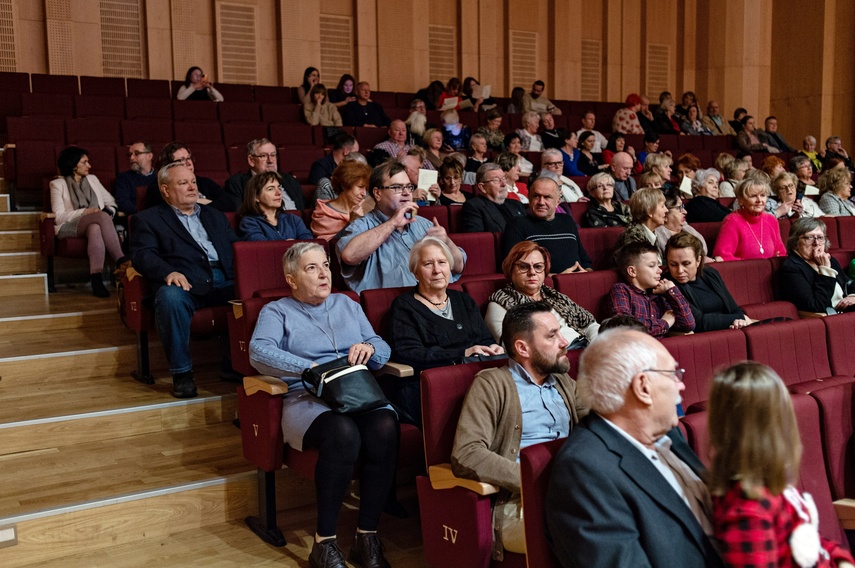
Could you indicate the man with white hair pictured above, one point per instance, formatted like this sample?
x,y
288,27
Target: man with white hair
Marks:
x,y
626,490
553,161
621,170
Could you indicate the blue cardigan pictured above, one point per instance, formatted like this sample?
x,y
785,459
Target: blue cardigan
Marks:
x,y
288,227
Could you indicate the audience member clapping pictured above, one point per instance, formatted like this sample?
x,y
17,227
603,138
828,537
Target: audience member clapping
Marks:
x,y
350,183
525,269
809,277
309,328
750,232
432,325
712,305
604,210
83,208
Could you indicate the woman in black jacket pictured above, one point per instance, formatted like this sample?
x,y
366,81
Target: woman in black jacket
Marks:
x,y
809,277
711,303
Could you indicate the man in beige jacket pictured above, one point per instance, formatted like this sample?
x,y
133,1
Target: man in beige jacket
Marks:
x,y
532,400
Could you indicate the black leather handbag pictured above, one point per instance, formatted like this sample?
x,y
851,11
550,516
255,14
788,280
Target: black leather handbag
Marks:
x,y
346,388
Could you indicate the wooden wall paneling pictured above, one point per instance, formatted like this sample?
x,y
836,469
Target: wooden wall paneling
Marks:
x,y
159,39
366,41
468,32
491,45
301,39
565,48
686,55
31,37
843,83
631,52
60,37
183,38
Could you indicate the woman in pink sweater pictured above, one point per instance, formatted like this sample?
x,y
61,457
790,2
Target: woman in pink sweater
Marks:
x,y
750,232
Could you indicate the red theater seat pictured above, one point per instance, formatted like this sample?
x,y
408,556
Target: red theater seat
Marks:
x,y
589,289
290,134
600,245
209,158
481,257
83,131
194,111
265,94
238,111
156,132
845,230
14,82
206,132
55,84
148,89
239,133
145,108
87,106
281,112
36,128
47,104
102,86
535,469
840,331
31,163
233,92
438,212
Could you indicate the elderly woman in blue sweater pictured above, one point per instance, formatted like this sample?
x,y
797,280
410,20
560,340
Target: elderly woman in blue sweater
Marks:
x,y
261,216
313,327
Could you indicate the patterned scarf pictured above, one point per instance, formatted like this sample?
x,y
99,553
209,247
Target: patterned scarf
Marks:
x,y
572,313
81,194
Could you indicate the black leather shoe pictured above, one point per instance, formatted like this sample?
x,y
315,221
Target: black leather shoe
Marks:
x,y
326,554
367,551
183,385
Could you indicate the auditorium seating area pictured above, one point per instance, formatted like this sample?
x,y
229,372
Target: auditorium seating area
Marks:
x,y
812,355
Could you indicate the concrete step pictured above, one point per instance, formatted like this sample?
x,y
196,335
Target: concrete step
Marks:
x,y
21,263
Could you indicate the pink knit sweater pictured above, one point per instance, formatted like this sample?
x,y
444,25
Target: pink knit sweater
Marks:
x,y
744,235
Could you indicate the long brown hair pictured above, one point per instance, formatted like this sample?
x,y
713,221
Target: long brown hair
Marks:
x,y
754,437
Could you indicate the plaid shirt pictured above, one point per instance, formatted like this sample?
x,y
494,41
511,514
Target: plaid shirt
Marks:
x,y
756,532
648,308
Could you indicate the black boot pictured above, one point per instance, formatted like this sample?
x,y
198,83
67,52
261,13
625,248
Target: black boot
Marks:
x,y
326,554
183,385
367,551
98,288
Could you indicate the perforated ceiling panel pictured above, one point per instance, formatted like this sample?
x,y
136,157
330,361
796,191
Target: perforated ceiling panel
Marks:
x,y
336,46
236,45
122,32
443,52
8,55
592,69
658,68
183,37
59,37
523,58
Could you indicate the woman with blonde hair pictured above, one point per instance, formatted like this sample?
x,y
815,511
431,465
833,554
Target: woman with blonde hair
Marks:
x,y
433,145
750,231
759,517
649,212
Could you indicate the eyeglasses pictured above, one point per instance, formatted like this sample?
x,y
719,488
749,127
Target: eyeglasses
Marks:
x,y
135,153
524,267
270,155
677,208
183,160
790,185
547,164
813,238
677,373
497,180
398,189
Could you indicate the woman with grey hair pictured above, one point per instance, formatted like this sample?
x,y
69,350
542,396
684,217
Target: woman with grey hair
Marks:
x,y
787,203
306,329
835,188
529,138
433,326
811,278
604,210
705,207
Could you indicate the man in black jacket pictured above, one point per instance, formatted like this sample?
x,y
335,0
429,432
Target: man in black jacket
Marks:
x,y
184,250
491,209
261,156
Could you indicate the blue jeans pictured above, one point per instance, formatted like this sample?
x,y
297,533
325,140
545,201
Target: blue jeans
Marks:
x,y
173,310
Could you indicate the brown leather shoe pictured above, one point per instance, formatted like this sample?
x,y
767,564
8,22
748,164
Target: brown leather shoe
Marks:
x,y
367,551
326,554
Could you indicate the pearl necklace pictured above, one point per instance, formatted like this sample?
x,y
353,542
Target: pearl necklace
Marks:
x,y
753,234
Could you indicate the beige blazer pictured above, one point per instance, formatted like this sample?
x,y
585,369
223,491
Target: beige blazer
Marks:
x,y
60,200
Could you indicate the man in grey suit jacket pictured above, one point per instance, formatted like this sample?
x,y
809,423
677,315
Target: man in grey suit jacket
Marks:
x,y
621,170
626,490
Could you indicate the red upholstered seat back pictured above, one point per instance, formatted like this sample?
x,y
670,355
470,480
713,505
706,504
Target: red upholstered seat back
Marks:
x,y
480,251
440,212
838,427
797,350
813,477
709,231
702,354
589,289
600,245
748,281
840,330
376,304
697,434
846,231
535,469
481,290
443,390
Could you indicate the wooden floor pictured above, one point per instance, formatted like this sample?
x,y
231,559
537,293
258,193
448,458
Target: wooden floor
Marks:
x,y
97,469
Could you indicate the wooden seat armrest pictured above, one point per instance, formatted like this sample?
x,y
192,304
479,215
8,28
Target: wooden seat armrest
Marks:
x,y
845,509
396,370
264,383
805,315
45,215
441,477
237,308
